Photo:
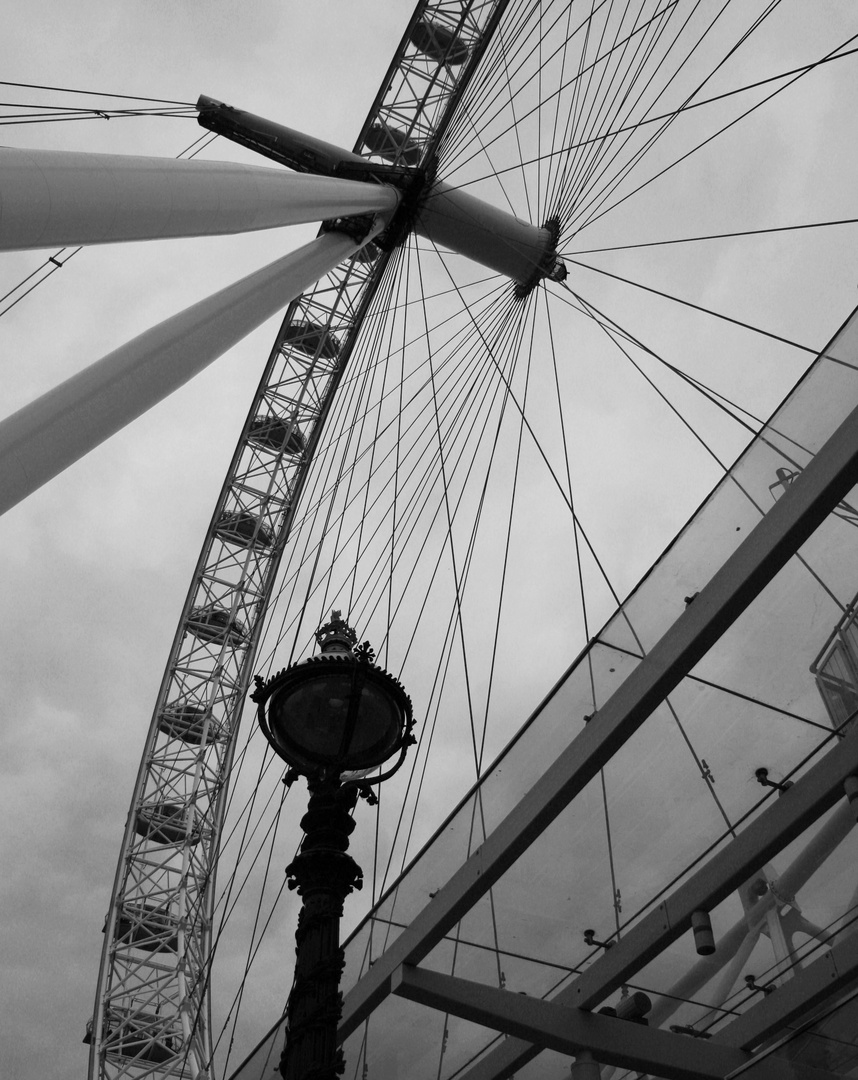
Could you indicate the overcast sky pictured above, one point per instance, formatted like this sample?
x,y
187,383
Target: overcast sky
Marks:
x,y
96,564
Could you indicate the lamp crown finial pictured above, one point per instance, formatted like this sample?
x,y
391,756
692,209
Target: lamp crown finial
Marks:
x,y
336,632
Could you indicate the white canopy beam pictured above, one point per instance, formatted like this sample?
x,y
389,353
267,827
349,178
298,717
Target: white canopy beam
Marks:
x,y
57,198
48,435
611,1040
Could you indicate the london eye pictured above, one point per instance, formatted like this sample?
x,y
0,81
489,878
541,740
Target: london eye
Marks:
x,y
476,448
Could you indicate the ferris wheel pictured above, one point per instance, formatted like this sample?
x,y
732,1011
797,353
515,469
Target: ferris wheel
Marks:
x,y
508,389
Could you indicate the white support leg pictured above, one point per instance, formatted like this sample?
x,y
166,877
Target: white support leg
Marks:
x,y
51,433
56,198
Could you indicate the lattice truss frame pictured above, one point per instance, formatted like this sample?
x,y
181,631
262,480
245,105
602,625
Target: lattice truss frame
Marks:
x,y
152,1010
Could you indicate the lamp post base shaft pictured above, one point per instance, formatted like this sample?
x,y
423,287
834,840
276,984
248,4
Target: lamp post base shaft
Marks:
x,y
324,875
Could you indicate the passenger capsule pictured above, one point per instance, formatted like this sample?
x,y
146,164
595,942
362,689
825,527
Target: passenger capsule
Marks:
x,y
164,823
270,432
392,144
146,927
215,624
186,722
243,528
140,1035
311,339
439,43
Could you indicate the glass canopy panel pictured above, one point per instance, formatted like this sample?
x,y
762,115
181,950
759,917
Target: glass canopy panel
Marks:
x,y
782,920
548,732
666,812
262,1063
684,783
678,789
832,1042
813,410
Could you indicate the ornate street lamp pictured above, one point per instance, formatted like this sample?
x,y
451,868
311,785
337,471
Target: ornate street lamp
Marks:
x,y
334,718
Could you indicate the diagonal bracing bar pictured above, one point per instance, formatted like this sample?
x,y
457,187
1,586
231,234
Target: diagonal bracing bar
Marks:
x,y
611,1041
776,538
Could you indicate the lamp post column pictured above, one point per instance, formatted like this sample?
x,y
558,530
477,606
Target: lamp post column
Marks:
x,y
324,875
333,716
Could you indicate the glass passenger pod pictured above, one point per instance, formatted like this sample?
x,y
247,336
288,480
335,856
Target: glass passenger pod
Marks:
x,y
836,670
146,927
186,722
272,433
311,339
244,529
164,823
214,624
139,1035
392,144
439,43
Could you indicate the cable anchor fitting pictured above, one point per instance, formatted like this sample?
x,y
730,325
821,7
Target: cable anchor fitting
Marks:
x,y
590,939
751,980
762,776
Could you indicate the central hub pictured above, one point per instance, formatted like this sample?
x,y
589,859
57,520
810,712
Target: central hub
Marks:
x,y
449,217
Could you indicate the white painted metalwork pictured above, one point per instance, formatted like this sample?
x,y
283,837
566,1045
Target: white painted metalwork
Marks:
x,y
52,198
51,433
203,690
777,537
736,944
487,235
450,218
614,1041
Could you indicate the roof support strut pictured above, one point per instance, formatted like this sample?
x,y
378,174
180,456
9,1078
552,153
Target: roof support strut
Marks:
x,y
612,1041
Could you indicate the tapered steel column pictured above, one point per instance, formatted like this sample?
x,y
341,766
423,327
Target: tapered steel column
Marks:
x,y
56,198
51,433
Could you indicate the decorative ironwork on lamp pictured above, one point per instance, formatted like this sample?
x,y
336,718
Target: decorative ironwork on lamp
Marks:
x,y
334,718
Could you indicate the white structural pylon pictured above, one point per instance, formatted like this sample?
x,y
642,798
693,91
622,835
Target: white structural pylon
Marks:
x,y
59,198
51,433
